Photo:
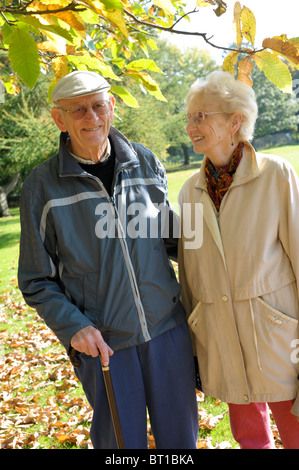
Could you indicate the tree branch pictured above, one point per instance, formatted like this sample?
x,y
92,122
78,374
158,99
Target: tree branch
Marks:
x,y
187,33
15,11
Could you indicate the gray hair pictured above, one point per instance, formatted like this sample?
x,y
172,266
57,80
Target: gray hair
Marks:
x,y
233,96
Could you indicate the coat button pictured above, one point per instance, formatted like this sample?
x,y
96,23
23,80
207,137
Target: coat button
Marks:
x,y
224,298
246,397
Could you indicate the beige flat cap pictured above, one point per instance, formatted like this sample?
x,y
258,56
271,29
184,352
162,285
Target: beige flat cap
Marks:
x,y
79,83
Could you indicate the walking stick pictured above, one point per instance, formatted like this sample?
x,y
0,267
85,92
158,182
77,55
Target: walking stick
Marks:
x,y
113,406
75,360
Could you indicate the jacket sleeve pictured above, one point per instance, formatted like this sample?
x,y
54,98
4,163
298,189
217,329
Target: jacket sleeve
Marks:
x,y
172,220
288,234
38,273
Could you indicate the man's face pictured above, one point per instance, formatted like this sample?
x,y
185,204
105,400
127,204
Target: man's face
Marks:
x,y
88,133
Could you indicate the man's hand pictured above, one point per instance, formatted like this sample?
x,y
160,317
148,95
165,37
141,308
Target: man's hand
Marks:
x,y
90,341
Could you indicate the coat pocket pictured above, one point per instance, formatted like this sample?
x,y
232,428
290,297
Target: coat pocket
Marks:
x,y
194,317
275,332
277,318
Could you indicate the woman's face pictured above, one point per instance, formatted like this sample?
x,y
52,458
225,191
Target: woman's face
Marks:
x,y
213,134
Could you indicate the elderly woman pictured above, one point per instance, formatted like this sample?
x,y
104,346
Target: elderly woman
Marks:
x,y
240,286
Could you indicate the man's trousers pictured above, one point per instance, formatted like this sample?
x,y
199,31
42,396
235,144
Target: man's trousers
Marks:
x,y
157,376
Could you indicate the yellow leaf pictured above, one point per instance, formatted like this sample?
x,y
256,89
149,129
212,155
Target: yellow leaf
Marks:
x,y
275,70
55,44
49,46
286,48
73,19
229,62
237,22
60,67
248,25
60,3
116,18
96,6
37,6
244,71
204,3
166,5
64,438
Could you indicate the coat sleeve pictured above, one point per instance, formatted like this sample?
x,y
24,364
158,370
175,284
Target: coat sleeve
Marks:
x,y
38,273
171,222
288,234
186,294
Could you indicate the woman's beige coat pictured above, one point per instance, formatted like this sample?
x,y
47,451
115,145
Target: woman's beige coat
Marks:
x,y
239,288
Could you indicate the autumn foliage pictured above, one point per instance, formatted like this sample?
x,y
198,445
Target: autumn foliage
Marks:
x,y
43,36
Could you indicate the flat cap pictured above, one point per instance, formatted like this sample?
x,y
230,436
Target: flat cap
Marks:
x,y
79,83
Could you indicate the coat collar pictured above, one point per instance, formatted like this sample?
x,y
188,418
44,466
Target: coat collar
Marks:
x,y
247,170
125,155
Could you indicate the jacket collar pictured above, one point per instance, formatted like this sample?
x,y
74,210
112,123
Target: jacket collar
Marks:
x,y
247,170
125,155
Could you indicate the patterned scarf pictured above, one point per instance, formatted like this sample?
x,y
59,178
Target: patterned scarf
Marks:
x,y
218,181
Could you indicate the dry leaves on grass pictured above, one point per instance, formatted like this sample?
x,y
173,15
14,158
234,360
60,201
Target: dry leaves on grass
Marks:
x,y
37,409
39,403
37,386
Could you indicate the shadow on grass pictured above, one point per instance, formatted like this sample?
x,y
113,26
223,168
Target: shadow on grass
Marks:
x,y
8,239
194,165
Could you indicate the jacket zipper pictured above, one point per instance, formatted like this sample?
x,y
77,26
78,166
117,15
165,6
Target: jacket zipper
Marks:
x,y
129,266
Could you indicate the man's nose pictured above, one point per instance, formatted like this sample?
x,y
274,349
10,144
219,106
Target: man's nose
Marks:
x,y
90,113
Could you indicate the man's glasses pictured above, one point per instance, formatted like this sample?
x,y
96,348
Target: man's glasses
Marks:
x,y
78,112
199,116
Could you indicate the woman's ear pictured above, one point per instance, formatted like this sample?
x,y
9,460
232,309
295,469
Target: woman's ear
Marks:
x,y
236,122
58,119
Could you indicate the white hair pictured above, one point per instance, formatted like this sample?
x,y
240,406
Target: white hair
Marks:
x,y
233,96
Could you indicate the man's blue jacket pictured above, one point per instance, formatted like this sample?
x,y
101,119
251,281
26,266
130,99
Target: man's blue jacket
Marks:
x,y
90,259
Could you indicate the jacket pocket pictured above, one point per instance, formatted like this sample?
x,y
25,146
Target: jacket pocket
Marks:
x,y
273,334
281,320
194,317
201,319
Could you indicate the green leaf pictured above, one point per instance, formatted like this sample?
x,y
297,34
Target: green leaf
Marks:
x,y
93,64
275,70
23,54
51,28
146,81
7,32
125,96
143,64
111,4
120,63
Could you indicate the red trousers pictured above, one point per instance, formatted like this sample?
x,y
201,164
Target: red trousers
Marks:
x,y
250,425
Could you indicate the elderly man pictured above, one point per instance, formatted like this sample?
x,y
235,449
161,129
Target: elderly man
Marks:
x,y
93,263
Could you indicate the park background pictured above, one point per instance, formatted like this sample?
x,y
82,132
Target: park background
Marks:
x,y
41,402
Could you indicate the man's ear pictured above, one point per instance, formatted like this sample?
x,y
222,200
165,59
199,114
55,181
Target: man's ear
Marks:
x,y
112,104
59,121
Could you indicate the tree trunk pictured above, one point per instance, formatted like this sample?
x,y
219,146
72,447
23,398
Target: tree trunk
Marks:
x,y
186,154
4,192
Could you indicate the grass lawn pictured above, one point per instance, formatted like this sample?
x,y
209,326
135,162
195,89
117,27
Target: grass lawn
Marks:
x,y
289,152
42,405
